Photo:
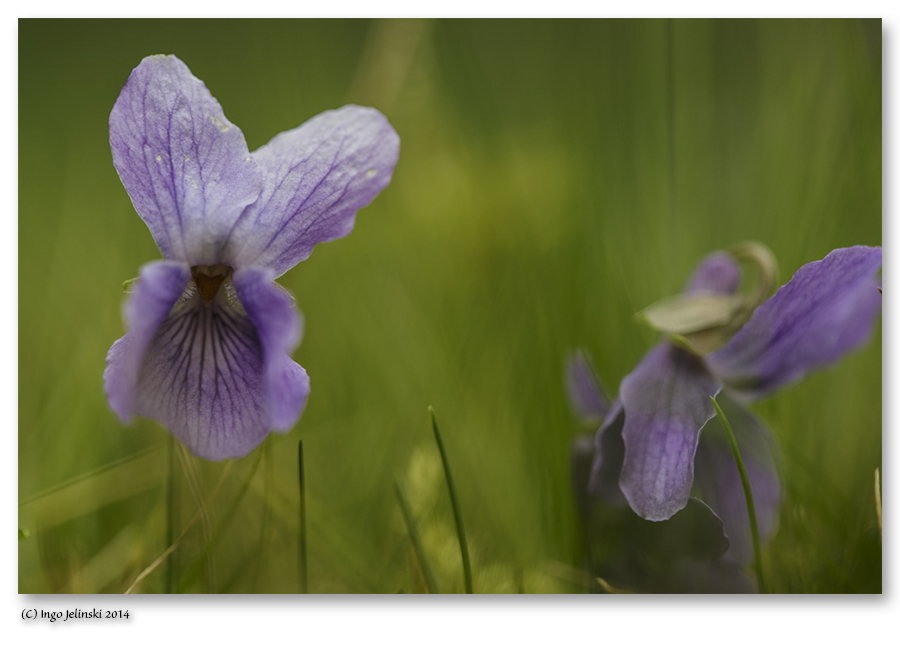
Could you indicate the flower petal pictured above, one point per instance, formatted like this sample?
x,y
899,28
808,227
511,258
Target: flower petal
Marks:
x,y
210,375
271,309
717,476
666,401
186,168
316,177
159,287
585,392
718,272
609,451
827,309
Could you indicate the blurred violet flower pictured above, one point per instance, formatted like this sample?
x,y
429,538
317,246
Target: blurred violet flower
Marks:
x,y
649,451
683,554
210,332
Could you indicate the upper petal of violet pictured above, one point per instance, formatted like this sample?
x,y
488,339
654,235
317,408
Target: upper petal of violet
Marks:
x,y
666,400
315,179
718,272
186,168
827,309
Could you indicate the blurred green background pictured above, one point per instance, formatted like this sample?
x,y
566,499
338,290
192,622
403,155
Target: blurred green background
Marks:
x,y
555,177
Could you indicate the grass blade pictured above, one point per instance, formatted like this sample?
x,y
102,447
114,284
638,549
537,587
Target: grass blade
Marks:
x,y
748,493
103,486
170,512
266,514
213,540
87,475
414,536
301,560
878,500
454,501
200,511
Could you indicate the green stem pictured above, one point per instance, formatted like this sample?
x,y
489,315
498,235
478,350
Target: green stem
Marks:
x,y
194,569
267,510
414,536
460,529
170,513
748,493
301,560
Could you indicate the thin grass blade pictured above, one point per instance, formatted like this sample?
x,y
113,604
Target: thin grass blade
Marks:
x,y
414,536
301,560
195,567
194,520
457,513
748,493
878,500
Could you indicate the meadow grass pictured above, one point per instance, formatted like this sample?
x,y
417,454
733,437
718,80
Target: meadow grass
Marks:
x,y
555,177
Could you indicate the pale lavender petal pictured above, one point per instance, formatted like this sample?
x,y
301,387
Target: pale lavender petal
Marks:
x,y
609,452
828,308
272,311
717,476
206,375
159,286
666,401
585,388
716,273
316,177
185,166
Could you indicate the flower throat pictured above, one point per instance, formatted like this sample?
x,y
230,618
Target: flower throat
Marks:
x,y
208,279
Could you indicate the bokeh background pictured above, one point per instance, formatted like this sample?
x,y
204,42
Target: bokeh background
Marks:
x,y
555,177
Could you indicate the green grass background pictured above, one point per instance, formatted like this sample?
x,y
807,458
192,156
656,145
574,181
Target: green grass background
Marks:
x,y
555,177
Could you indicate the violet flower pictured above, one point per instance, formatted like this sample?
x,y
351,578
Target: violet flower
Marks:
x,y
659,438
210,332
683,554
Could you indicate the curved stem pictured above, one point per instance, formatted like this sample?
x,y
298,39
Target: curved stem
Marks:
x,y
748,493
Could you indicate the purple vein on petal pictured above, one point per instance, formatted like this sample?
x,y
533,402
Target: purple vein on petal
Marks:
x,y
827,309
666,401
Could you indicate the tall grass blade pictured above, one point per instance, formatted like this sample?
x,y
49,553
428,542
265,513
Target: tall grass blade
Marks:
x,y
207,521
170,512
267,512
878,500
211,543
414,536
454,501
86,493
301,560
194,520
748,493
87,475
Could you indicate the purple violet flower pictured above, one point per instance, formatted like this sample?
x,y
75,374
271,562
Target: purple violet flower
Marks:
x,y
659,438
210,332
683,554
